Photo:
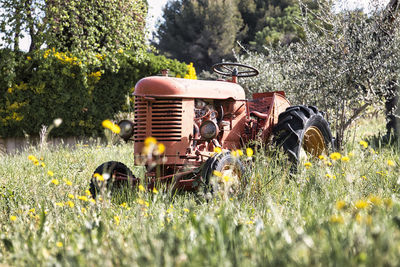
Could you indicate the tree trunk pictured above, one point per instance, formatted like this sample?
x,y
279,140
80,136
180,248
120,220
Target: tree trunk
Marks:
x,y
392,112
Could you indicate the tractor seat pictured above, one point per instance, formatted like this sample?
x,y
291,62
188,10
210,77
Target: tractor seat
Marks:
x,y
259,115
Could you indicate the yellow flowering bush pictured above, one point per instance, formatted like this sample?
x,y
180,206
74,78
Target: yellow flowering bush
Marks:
x,y
82,89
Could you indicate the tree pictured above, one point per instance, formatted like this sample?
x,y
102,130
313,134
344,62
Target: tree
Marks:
x,y
20,17
390,20
273,22
345,68
199,31
99,26
260,14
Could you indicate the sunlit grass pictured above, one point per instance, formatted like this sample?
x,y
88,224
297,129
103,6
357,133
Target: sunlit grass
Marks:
x,y
336,210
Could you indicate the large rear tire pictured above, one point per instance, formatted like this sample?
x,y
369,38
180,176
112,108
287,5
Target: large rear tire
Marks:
x,y
108,183
303,131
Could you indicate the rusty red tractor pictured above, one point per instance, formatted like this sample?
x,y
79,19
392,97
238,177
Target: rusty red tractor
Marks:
x,y
195,118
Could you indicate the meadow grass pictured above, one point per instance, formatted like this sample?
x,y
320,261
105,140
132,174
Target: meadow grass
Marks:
x,y
341,212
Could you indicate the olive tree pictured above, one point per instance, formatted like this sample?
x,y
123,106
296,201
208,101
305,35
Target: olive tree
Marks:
x,y
344,66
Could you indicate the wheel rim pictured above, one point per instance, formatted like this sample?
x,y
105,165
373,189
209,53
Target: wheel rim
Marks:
x,y
227,181
314,142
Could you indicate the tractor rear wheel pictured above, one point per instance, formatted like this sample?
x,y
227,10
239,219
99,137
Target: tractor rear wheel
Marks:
x,y
223,174
104,176
303,130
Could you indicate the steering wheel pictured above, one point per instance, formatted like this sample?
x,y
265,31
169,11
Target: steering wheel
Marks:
x,y
235,69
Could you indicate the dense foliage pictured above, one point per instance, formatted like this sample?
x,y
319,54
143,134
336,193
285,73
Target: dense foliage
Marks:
x,y
49,84
97,54
189,31
346,68
19,18
203,32
96,26
74,26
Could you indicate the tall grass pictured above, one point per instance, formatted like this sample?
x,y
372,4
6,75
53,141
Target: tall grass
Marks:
x,y
331,212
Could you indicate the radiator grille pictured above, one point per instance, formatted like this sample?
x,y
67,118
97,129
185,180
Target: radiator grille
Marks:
x,y
139,132
160,118
166,119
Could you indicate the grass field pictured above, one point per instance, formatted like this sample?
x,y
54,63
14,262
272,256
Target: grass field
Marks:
x,y
343,211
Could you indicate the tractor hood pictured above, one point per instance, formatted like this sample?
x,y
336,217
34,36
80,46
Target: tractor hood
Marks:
x,y
176,87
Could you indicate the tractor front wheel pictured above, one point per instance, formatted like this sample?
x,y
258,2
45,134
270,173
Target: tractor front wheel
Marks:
x,y
105,177
223,175
303,131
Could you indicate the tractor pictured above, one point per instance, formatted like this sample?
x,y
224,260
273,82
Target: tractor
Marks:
x,y
199,122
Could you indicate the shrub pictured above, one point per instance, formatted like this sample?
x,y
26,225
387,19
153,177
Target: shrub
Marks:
x,y
82,89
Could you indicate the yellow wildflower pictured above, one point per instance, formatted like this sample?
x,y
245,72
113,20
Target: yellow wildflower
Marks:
x,y
55,182
390,163
32,210
345,159
13,218
98,176
70,204
217,173
239,152
321,157
50,173
87,192
116,220
120,51
71,196
141,188
140,201
28,58
307,165
32,158
226,178
67,182
36,163
83,210
363,144
335,156
336,219
330,176
59,244
160,148
377,201
340,204
59,204
83,198
96,74
155,191
42,164
124,205
217,149
186,210
361,204
111,126
249,152
150,141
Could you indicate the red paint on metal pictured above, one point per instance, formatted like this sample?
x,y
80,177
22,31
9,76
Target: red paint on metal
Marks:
x,y
176,87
